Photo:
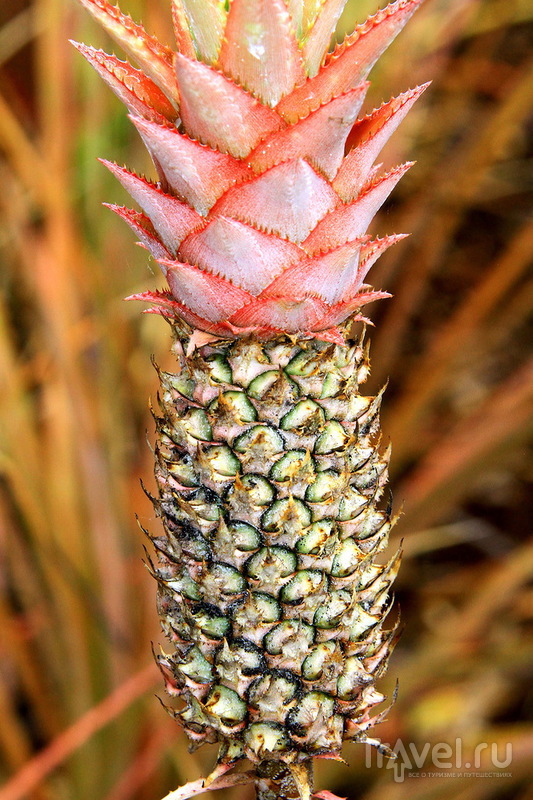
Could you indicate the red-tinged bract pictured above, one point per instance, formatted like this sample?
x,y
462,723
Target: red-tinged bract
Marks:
x,y
265,168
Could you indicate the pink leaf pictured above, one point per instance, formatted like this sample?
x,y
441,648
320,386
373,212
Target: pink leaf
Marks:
x,y
371,251
341,311
141,225
325,795
204,294
198,787
320,137
350,221
350,62
260,51
138,93
370,39
366,139
333,757
167,307
333,277
172,219
288,200
247,257
193,171
154,58
331,335
283,313
219,113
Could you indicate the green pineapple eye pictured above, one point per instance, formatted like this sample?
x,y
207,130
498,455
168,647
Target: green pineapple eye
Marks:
x,y
346,559
260,437
234,403
211,623
351,504
259,490
185,585
330,613
266,738
362,622
332,438
245,536
289,514
222,461
318,538
331,385
354,677
271,691
325,485
278,561
197,667
225,704
313,664
281,638
304,583
302,365
227,579
220,370
196,424
262,383
289,465
306,416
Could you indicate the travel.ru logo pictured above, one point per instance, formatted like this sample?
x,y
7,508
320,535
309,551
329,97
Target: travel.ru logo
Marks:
x,y
441,759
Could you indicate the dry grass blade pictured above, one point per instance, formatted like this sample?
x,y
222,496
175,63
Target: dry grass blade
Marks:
x,y
428,376
445,474
77,735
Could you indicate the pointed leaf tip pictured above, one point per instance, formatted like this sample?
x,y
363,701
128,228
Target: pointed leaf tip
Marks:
x,y
143,228
282,313
140,94
172,219
351,61
193,171
182,30
352,219
155,58
366,140
316,42
333,276
219,113
320,137
370,39
203,293
342,311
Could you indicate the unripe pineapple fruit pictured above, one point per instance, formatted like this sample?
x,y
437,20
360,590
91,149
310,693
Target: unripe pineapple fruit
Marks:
x,y
268,460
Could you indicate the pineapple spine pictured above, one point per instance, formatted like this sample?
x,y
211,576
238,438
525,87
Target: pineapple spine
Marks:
x,y
271,481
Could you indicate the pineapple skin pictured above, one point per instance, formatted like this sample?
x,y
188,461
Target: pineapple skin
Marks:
x,y
270,478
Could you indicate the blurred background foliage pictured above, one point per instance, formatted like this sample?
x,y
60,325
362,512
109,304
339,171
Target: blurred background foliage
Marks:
x,y
78,718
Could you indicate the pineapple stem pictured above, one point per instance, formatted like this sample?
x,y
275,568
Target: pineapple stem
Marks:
x,y
279,781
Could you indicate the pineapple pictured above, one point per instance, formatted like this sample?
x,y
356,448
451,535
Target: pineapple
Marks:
x,y
269,469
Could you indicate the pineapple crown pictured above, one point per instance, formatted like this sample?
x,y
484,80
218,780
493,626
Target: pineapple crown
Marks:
x,y
267,181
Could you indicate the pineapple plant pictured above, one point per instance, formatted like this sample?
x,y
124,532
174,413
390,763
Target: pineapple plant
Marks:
x,y
269,468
